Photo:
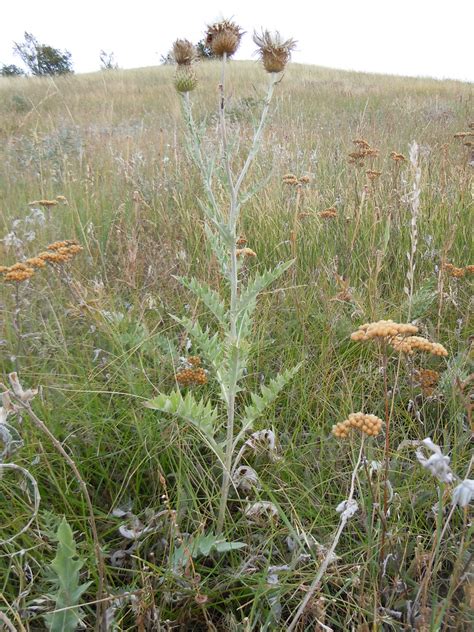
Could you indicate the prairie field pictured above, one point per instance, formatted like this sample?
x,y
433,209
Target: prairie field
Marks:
x,y
125,444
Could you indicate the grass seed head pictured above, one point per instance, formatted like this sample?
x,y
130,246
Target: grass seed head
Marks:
x,y
274,51
223,38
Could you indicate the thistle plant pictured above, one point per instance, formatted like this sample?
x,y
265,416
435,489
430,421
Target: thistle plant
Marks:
x,y
226,349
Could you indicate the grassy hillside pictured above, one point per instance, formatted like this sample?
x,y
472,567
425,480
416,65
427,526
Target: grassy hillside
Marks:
x,y
97,337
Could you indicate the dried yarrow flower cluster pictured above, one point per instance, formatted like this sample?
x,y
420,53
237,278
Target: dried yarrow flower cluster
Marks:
x,y
399,336
396,157
49,203
274,51
223,38
428,380
291,179
245,252
372,174
191,372
58,252
368,424
457,273
383,329
328,213
410,344
364,151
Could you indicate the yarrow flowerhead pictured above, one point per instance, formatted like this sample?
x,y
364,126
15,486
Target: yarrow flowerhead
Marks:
x,y
368,424
274,51
58,252
383,329
191,373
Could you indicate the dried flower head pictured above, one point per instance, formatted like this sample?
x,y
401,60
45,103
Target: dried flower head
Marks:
x,y
290,178
368,424
410,344
328,213
45,203
274,51
184,52
396,157
36,262
185,79
245,252
453,271
383,329
428,380
20,274
223,38
195,376
372,174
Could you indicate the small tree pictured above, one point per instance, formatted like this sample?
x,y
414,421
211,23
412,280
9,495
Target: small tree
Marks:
x,y
10,70
41,59
204,51
107,61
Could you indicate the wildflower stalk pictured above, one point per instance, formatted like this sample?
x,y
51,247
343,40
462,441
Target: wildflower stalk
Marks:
x,y
227,226
329,555
234,341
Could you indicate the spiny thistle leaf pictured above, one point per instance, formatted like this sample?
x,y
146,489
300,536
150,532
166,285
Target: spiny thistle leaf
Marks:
x,y
199,414
248,298
268,394
209,344
65,567
218,248
208,296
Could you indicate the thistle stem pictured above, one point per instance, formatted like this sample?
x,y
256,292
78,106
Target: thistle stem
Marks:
x,y
234,356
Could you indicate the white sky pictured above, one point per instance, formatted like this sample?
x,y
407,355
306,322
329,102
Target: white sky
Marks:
x,y
407,37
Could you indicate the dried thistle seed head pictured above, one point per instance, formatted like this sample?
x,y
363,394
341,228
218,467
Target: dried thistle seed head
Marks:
x,y
274,51
185,79
223,38
184,52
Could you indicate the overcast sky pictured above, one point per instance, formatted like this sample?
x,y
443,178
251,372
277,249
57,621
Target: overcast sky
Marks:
x,y
406,37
